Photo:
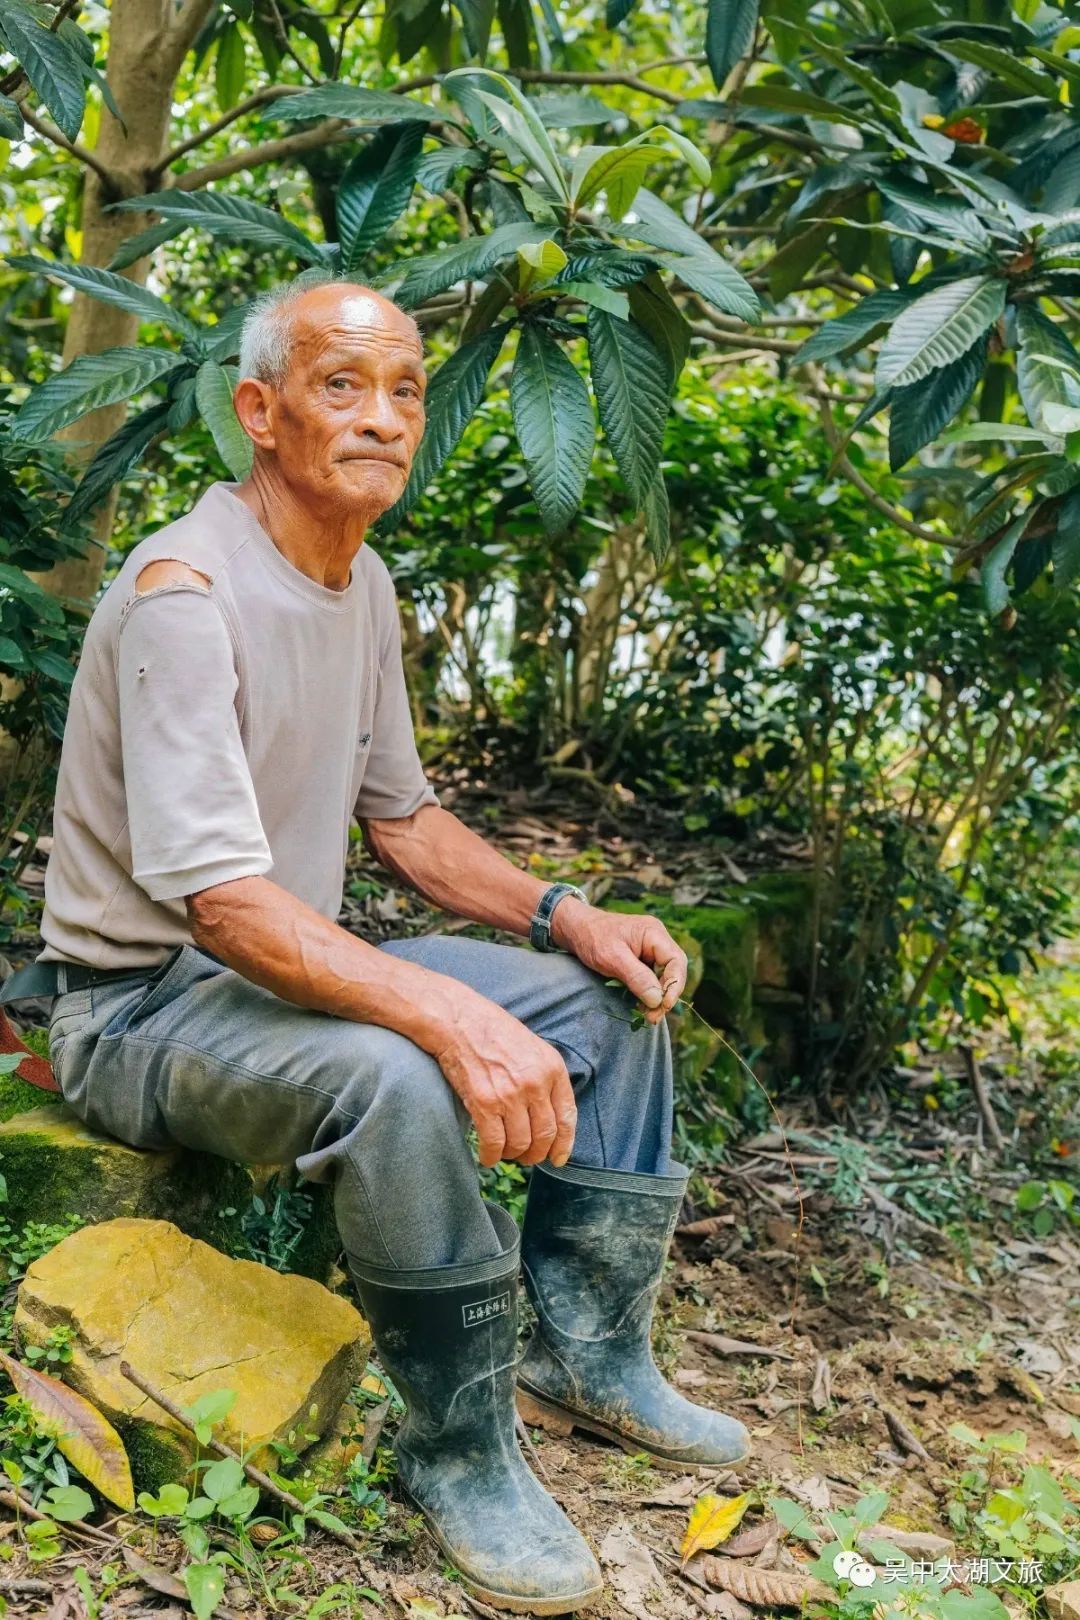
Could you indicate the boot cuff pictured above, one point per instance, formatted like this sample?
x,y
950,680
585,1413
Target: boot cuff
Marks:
x,y
429,1278
628,1181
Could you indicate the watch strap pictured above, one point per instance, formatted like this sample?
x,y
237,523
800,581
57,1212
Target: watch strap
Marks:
x,y
540,922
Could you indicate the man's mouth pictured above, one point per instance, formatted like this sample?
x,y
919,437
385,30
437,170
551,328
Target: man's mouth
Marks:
x,y
386,461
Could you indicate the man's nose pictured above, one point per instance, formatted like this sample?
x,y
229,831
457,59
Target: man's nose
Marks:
x,y
377,418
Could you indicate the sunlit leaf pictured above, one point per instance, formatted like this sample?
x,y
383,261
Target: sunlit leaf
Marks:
x,y
375,189
222,213
938,328
467,260
712,1520
90,381
50,63
632,381
110,288
452,397
86,1438
213,395
729,34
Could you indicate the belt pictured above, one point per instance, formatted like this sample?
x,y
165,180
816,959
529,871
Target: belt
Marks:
x,y
47,979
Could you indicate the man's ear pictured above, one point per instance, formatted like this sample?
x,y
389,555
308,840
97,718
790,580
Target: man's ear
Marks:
x,y
252,404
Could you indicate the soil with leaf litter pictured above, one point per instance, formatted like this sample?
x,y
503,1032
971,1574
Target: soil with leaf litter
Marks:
x,y
846,1385
847,1332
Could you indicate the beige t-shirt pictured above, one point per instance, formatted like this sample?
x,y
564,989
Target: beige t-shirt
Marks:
x,y
222,733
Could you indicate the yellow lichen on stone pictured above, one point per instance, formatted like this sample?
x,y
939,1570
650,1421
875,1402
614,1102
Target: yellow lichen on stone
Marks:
x,y
191,1320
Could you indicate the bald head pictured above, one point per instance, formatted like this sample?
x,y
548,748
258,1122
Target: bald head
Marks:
x,y
298,311
331,395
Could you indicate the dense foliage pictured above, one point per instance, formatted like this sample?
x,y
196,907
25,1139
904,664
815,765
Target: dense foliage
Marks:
x,y
676,275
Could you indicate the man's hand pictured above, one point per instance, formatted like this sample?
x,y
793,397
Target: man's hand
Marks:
x,y
637,950
514,1085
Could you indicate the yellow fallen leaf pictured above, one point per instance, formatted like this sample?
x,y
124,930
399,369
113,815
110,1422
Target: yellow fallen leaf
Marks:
x,y
711,1522
86,1438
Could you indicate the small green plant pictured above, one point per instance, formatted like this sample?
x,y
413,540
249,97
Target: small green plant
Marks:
x,y
57,1350
274,1223
1016,1513
29,1454
903,1589
504,1183
1047,1204
21,1246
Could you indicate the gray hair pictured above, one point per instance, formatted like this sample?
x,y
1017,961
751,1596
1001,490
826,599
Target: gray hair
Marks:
x,y
266,337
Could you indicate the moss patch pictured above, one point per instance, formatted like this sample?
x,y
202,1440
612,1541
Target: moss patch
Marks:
x,y
19,1097
782,903
157,1456
37,1039
55,1166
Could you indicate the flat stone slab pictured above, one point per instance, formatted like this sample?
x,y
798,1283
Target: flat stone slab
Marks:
x,y
191,1321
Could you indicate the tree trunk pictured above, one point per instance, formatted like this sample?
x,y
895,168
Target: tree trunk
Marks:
x,y
148,40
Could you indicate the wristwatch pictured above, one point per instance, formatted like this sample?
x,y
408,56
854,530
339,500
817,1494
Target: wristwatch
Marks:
x,y
540,922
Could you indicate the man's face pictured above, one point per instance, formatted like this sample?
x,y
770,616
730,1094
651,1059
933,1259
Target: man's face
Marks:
x,y
345,425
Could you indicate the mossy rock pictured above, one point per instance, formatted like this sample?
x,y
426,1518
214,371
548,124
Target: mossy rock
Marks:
x,y
724,938
55,1166
783,905
191,1321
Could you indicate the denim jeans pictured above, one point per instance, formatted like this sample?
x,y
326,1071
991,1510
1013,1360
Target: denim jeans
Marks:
x,y
197,1055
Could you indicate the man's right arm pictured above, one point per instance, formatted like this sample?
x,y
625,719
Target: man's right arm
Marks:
x,y
514,1084
196,833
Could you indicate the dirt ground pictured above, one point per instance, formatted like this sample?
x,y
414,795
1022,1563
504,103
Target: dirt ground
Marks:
x,y
848,1348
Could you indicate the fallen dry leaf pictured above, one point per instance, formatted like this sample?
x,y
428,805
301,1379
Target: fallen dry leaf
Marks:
x,y
86,1438
707,1227
752,1540
712,1520
767,1588
724,1346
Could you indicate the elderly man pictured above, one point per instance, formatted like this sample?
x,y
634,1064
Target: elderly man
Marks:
x,y
240,697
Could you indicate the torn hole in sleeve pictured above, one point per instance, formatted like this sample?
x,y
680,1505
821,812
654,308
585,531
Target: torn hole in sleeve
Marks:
x,y
170,573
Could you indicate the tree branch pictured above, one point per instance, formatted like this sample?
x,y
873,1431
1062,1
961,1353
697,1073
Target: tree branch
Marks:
x,y
329,133
185,26
337,129
58,138
269,92
856,479
745,338
343,34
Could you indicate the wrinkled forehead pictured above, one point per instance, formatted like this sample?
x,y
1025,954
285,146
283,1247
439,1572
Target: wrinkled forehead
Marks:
x,y
360,324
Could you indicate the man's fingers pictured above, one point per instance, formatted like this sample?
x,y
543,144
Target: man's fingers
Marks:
x,y
544,1131
565,1110
518,1127
490,1138
673,978
638,977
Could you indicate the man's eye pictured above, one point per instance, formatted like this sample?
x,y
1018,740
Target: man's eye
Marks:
x,y
339,383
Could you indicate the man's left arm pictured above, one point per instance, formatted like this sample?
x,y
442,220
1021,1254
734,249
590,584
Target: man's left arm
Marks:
x,y
456,869
429,848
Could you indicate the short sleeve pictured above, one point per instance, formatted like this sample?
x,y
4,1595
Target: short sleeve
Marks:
x,y
192,812
393,783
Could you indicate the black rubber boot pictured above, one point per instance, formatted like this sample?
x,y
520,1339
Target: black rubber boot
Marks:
x,y
448,1339
593,1252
